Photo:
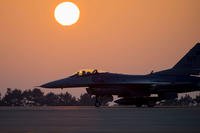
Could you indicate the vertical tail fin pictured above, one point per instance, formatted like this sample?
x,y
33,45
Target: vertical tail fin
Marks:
x,y
189,64
191,61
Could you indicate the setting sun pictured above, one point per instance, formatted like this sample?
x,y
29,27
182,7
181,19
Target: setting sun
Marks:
x,y
66,13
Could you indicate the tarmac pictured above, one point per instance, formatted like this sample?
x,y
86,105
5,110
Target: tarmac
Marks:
x,y
75,119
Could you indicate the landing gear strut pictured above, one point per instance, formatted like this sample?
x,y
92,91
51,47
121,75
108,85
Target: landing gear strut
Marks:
x,y
97,101
151,104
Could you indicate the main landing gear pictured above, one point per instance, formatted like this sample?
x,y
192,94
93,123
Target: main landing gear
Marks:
x,y
97,101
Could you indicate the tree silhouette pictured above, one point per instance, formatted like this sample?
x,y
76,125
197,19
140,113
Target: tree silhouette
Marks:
x,y
36,97
66,99
12,98
51,99
33,97
197,99
186,100
86,100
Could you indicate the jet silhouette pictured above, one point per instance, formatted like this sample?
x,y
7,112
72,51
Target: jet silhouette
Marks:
x,y
138,89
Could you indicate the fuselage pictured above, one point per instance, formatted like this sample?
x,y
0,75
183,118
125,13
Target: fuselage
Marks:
x,y
121,84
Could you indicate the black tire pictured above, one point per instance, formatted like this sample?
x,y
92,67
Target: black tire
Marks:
x,y
151,104
97,104
97,101
138,105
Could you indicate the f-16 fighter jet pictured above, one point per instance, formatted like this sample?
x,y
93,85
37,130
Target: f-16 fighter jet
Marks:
x,y
138,89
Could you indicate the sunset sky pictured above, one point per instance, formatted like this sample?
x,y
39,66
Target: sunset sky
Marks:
x,y
123,36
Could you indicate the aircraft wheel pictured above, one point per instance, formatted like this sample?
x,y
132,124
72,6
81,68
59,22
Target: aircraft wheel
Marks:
x,y
151,104
138,105
97,102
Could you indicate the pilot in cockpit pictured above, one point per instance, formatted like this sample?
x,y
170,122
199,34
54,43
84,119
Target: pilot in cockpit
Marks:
x,y
87,72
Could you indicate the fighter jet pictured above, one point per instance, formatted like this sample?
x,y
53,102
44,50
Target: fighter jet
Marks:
x,y
138,89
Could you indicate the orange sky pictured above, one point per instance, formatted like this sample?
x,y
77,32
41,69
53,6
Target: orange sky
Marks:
x,y
131,36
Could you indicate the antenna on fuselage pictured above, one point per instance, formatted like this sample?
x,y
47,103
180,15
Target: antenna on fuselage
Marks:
x,y
152,72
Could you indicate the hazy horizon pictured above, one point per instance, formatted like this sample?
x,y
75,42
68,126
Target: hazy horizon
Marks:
x,y
132,36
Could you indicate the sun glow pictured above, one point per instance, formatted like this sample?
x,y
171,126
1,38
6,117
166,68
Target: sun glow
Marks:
x,y
66,13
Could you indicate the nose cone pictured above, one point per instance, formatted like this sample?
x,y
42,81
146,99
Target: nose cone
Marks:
x,y
68,83
53,84
62,83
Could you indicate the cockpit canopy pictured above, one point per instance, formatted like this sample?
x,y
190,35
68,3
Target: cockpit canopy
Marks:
x,y
86,72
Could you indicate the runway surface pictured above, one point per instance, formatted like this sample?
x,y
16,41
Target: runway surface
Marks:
x,y
99,120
